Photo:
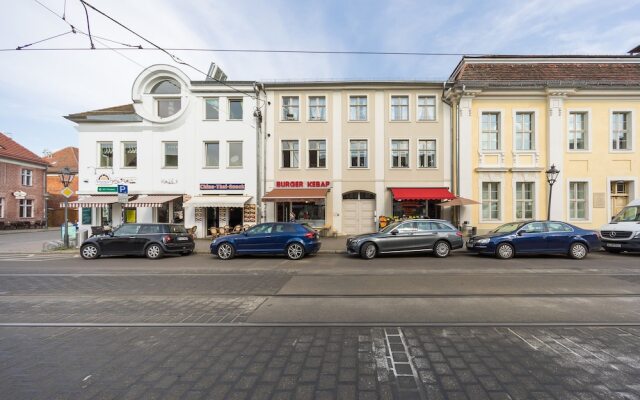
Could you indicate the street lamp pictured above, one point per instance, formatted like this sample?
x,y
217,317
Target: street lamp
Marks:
x,y
66,176
552,176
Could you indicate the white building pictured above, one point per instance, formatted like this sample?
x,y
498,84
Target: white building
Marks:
x,y
185,149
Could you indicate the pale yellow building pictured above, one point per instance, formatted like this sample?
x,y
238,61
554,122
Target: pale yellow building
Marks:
x,y
516,116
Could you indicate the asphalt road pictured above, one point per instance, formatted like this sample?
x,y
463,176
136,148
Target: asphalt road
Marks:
x,y
329,326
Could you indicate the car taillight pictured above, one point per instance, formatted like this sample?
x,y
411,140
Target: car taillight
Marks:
x,y
310,235
459,234
167,239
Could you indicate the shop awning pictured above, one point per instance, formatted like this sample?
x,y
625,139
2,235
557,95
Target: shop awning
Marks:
x,y
422,194
458,201
152,200
217,201
295,194
93,201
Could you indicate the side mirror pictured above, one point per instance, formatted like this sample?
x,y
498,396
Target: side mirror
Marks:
x,y
394,232
110,234
520,233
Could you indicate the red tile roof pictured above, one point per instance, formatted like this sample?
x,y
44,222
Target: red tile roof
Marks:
x,y
9,148
67,157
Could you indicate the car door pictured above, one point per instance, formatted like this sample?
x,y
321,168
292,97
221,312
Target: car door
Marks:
x,y
280,236
399,238
425,236
122,241
558,237
255,240
531,238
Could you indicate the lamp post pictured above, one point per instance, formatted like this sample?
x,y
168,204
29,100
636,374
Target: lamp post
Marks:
x,y
552,176
66,176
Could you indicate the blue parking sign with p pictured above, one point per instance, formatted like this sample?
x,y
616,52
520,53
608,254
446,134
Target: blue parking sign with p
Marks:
x,y
123,189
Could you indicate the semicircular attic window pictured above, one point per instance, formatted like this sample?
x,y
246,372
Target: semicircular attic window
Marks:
x,y
164,94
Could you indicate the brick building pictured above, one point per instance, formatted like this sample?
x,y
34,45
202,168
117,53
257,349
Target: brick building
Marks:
x,y
67,157
22,185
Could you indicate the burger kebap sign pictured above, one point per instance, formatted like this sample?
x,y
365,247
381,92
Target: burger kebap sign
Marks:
x,y
302,184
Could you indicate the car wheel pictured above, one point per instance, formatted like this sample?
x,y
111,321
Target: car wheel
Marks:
x,y
442,249
226,251
295,251
89,251
578,251
504,251
153,251
368,251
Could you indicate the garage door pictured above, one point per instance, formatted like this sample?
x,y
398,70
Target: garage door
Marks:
x,y
358,214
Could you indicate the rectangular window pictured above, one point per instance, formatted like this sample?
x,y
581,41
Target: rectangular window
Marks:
x,y
235,154
400,154
212,154
290,108
167,107
317,153
235,109
490,137
524,200
129,154
427,154
290,154
26,177
317,108
399,108
212,108
25,208
1,207
358,153
620,131
357,108
105,154
170,154
524,131
578,200
491,201
578,131
426,108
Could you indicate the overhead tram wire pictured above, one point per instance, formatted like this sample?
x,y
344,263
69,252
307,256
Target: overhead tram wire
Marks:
x,y
44,40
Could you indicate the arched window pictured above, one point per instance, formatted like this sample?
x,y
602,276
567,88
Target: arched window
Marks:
x,y
358,195
166,103
167,86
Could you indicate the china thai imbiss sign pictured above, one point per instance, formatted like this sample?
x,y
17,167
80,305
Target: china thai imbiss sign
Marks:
x,y
222,186
303,184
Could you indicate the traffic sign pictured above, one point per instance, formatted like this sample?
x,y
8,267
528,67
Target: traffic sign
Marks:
x,y
66,192
123,189
123,198
107,189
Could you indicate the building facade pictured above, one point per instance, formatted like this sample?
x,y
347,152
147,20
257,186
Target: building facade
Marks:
x,y
22,186
186,150
517,116
63,158
340,155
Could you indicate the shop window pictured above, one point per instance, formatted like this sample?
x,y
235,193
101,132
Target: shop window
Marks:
x,y
86,216
130,215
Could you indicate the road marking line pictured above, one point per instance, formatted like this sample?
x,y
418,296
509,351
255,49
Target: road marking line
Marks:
x,y
395,337
523,339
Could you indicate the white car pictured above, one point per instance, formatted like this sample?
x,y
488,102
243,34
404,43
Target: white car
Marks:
x,y
623,232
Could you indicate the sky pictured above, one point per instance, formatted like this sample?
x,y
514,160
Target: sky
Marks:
x,y
39,87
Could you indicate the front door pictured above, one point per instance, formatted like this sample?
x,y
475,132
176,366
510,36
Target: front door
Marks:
x,y
531,238
619,196
213,218
358,216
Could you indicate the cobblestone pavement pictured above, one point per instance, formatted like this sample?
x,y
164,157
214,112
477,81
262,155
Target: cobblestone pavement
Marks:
x,y
320,363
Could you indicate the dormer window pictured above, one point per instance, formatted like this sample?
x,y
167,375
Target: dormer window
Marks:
x,y
164,94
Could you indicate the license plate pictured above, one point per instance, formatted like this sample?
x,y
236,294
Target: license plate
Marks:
x,y
183,238
614,245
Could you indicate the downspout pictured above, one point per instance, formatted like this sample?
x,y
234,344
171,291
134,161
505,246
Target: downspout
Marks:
x,y
258,121
445,94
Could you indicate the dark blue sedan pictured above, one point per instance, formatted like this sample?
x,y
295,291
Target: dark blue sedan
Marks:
x,y
536,237
294,240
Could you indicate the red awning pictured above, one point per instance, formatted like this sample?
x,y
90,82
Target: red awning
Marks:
x,y
422,194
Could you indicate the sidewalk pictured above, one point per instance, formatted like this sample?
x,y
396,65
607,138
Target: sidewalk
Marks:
x,y
329,245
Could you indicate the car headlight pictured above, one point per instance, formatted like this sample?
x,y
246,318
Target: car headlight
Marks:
x,y
637,235
482,241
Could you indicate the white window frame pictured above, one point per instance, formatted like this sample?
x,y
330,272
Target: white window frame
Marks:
x,y
367,108
123,150
300,151
391,140
435,106
164,153
204,117
20,206
26,177
229,143
534,194
282,97
588,211
99,150
589,126
408,97
368,163
2,207
326,154
326,108
437,156
231,99
159,98
534,130
631,139
501,202
204,154
500,113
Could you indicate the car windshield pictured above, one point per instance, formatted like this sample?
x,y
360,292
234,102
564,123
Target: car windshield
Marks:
x,y
391,227
628,214
510,227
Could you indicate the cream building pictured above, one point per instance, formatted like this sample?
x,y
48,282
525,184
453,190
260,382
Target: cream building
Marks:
x,y
516,116
339,155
